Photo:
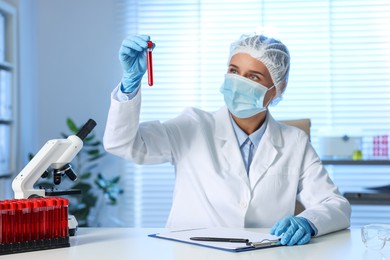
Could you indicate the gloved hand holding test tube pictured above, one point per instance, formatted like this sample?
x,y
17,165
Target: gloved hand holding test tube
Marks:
x,y
135,56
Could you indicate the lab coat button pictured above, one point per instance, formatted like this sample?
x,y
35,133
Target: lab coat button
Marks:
x,y
243,204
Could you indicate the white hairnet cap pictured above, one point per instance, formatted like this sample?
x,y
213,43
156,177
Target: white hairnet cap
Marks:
x,y
272,53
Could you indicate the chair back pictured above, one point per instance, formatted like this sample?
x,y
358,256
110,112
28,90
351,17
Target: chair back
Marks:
x,y
303,124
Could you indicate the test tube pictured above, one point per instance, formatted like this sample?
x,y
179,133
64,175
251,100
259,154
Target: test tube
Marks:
x,y
57,217
19,229
149,62
12,225
49,223
36,220
5,222
64,217
42,218
2,221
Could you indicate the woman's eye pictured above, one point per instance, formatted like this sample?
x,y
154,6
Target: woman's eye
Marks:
x,y
254,78
233,71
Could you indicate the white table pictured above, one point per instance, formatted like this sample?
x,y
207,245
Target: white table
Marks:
x,y
133,243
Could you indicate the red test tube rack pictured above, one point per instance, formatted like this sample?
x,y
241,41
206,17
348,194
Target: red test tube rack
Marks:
x,y
33,224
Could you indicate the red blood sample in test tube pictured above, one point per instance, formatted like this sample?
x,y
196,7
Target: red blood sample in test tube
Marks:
x,y
149,62
5,220
28,224
64,217
35,220
12,227
42,218
57,217
43,215
60,205
19,236
50,203
2,221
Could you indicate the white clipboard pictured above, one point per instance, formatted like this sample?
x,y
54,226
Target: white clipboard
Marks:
x,y
256,240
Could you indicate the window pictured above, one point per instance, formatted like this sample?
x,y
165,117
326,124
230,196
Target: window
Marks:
x,y
339,78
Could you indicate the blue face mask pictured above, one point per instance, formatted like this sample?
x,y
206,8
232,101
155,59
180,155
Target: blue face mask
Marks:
x,y
243,97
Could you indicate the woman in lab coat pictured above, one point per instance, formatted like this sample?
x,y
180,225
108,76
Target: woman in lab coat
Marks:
x,y
235,167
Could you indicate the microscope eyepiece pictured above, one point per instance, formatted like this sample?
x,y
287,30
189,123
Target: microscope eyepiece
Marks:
x,y
86,129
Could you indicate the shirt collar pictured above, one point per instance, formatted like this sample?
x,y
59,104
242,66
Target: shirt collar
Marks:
x,y
255,137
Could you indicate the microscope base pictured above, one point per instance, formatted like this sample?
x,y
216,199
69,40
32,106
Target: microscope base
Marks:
x,y
72,224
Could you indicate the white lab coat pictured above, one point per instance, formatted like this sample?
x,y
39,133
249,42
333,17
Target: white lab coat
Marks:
x,y
212,187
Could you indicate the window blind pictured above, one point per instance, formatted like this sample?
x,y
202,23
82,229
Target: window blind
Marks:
x,y
339,78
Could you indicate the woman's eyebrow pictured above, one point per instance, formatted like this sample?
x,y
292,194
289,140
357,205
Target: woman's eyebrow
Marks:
x,y
232,65
257,72
251,71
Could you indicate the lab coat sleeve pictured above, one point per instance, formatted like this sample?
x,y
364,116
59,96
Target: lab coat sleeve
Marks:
x,y
324,206
146,143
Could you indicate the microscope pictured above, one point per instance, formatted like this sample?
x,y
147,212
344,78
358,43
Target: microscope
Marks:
x,y
55,155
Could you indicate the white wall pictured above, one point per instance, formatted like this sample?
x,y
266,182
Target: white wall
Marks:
x,y
68,66
77,64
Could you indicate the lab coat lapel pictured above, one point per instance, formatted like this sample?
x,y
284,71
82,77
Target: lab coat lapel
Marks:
x,y
227,141
266,152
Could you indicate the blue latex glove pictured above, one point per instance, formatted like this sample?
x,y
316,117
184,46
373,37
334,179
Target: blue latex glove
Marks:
x,y
132,56
297,230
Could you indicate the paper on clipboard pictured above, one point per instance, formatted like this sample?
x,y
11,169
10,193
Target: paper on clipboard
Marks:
x,y
254,237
